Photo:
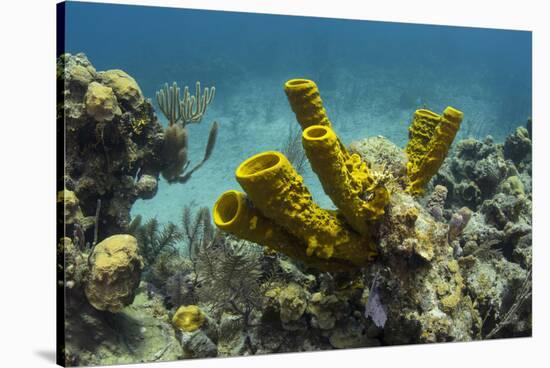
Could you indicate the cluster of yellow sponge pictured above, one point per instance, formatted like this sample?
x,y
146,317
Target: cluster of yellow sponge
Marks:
x,y
430,136
278,211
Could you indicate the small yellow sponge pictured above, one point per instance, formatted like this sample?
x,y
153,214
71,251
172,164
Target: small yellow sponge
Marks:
x,y
305,100
188,318
430,136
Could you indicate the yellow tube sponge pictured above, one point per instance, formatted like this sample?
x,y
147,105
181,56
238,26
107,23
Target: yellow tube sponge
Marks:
x,y
305,100
235,214
430,136
278,192
345,179
188,318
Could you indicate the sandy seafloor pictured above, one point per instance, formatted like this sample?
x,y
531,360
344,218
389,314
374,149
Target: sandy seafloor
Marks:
x,y
254,116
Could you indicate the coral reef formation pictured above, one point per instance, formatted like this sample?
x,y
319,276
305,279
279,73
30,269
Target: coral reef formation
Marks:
x,y
453,265
115,151
113,139
116,148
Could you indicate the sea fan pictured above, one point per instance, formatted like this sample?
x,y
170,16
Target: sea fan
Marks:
x,y
229,274
152,241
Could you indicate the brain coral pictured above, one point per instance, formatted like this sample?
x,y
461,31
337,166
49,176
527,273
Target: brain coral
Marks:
x,y
115,268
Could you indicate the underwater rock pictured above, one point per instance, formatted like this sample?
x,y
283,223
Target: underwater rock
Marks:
x,y
523,251
502,209
198,345
232,338
409,229
477,170
349,335
323,309
517,145
293,302
479,235
74,264
513,186
77,73
469,193
115,268
495,285
421,284
140,332
71,210
292,272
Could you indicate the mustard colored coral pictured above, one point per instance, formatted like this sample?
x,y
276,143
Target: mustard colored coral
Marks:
x,y
188,318
305,100
345,178
101,102
278,192
115,269
430,136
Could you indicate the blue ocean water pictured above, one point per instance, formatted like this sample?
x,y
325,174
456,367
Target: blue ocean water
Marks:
x,y
372,76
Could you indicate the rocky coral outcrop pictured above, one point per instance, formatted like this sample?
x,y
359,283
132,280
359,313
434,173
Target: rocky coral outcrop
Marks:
x,y
477,170
113,140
